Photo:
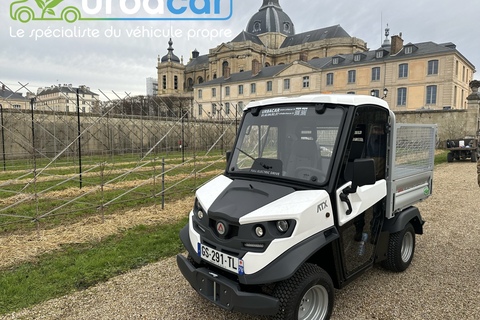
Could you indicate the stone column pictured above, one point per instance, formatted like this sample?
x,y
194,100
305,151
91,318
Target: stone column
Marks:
x,y
473,104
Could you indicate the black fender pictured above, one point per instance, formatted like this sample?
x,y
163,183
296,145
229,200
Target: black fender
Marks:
x,y
398,223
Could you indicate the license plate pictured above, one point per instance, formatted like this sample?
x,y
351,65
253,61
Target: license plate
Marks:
x,y
221,259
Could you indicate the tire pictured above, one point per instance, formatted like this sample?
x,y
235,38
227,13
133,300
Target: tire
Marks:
x,y
401,247
473,157
307,295
450,157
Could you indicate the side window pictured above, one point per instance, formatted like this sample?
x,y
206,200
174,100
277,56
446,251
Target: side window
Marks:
x,y
369,140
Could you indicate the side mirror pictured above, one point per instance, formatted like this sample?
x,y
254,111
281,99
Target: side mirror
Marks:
x,y
363,173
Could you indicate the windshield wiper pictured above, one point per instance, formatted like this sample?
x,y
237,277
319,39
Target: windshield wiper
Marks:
x,y
245,153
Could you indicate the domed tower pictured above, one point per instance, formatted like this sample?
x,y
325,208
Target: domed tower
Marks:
x,y
271,24
170,73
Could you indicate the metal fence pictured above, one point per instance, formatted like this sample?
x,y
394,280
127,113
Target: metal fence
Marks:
x,y
64,155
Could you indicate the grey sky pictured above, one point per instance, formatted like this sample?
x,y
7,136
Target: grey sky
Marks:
x,y
122,64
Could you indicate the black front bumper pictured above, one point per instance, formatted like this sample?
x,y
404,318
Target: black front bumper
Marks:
x,y
225,292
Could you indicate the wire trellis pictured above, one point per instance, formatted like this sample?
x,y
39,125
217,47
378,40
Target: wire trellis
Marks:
x,y
59,166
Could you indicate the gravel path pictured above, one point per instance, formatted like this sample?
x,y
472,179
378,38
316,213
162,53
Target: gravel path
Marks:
x,y
443,281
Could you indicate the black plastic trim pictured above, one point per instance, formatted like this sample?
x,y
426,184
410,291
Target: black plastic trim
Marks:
x,y
226,293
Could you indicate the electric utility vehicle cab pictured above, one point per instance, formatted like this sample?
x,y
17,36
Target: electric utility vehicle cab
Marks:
x,y
317,189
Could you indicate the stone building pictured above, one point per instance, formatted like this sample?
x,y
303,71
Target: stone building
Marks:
x,y
13,100
63,98
269,59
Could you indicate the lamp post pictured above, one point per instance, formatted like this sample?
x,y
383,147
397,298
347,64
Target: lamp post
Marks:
x,y
374,93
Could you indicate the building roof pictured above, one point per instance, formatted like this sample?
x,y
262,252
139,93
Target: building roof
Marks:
x,y
64,89
170,57
270,18
265,73
7,95
245,36
197,62
315,35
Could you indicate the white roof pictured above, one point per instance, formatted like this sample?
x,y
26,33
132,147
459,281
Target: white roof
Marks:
x,y
344,99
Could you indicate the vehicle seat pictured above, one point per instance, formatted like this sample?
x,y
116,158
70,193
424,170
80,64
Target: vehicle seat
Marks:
x,y
304,152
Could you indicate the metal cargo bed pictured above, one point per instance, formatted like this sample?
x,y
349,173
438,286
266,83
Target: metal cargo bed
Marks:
x,y
411,166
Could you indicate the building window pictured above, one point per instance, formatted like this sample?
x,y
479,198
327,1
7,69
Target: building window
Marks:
x,y
240,89
214,92
214,109
286,84
329,79
408,50
376,74
227,107
432,67
379,54
352,76
227,91
375,93
269,86
431,95
200,94
175,82
200,110
164,82
286,27
401,96
253,88
335,60
306,82
357,57
351,92
240,107
403,70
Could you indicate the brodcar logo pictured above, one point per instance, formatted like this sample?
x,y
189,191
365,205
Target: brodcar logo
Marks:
x,y
28,10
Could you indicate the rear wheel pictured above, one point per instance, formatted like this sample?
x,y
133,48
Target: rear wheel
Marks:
x,y
450,157
307,295
401,248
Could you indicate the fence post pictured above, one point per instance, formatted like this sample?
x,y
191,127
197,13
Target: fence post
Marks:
x,y
163,183
3,139
79,139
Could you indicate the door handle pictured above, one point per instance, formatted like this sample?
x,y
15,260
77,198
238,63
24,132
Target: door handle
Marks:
x,y
344,198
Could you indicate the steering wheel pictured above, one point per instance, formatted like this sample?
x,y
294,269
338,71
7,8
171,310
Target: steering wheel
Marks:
x,y
311,174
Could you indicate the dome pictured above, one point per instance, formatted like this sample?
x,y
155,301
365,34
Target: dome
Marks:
x,y
270,18
170,57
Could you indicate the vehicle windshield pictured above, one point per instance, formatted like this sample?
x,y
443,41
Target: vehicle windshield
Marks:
x,y
294,142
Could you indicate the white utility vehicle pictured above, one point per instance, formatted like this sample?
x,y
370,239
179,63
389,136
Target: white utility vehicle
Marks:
x,y
317,189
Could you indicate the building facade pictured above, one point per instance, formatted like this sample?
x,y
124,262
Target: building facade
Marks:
x,y
269,59
63,98
13,100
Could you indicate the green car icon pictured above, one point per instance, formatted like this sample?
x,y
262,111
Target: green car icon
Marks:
x,y
45,11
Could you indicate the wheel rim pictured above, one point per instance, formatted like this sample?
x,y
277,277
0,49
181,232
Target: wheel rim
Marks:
x,y
314,304
407,247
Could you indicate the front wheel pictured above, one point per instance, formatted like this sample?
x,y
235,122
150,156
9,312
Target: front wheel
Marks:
x,y
401,248
307,295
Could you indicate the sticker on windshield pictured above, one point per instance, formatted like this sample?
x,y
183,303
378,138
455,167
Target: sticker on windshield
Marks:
x,y
294,111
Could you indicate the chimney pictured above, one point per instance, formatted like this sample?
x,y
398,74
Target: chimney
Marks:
x,y
255,67
397,44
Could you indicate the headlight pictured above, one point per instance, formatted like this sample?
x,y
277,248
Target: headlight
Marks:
x,y
200,214
259,231
282,226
